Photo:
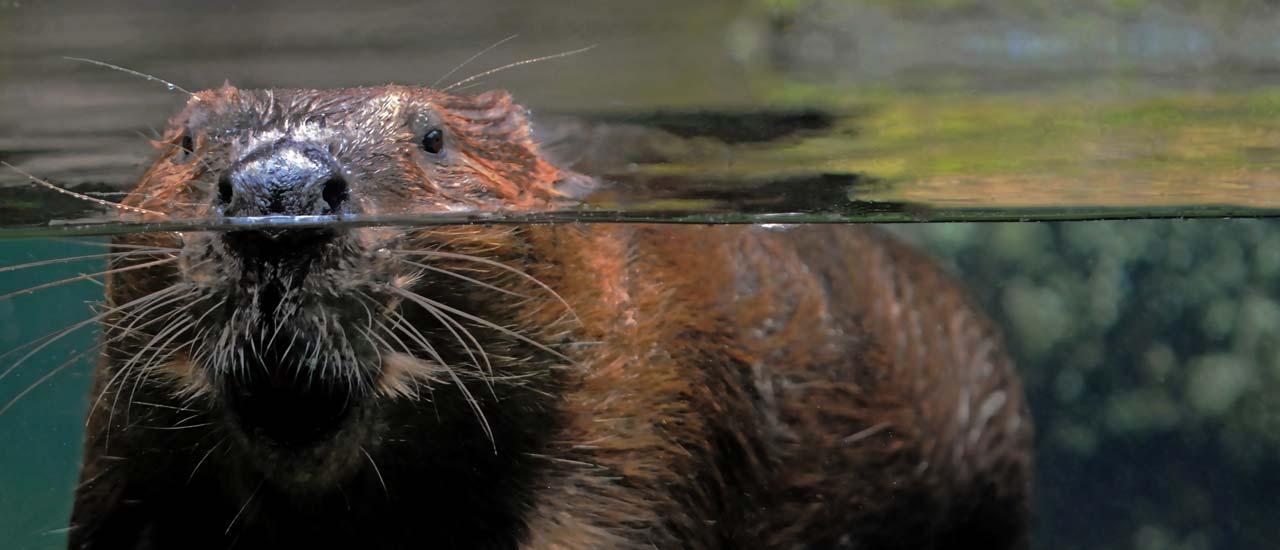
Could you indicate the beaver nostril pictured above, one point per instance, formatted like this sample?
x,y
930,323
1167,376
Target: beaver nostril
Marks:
x,y
224,189
334,193
286,178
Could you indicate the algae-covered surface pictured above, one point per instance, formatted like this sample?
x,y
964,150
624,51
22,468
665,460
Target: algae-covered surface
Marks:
x,y
1049,149
1098,149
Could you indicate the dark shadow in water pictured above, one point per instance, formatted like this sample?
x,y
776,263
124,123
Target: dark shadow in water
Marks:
x,y
34,207
732,127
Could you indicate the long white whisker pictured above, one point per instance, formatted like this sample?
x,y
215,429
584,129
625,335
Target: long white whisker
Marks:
x,y
85,276
129,365
175,428
155,296
416,335
449,324
122,245
516,64
370,338
381,481
75,358
61,333
152,78
460,276
82,196
422,300
493,263
41,380
472,58
176,329
54,261
204,458
246,505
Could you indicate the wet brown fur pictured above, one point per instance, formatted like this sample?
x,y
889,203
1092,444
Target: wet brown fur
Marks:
x,y
719,387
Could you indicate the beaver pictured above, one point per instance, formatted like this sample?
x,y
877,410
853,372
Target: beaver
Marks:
x,y
541,386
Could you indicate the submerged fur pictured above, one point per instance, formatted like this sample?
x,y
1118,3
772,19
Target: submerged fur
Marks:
x,y
540,386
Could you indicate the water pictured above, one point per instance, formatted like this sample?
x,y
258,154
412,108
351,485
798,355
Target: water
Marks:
x,y
1147,347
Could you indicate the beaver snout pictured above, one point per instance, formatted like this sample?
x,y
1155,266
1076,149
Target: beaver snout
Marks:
x,y
285,178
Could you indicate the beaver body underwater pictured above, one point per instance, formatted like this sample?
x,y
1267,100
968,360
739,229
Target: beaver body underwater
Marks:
x,y
533,386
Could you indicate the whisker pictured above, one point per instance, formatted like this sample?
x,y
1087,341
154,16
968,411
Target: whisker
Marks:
x,y
55,261
376,471
128,367
84,276
422,300
475,406
74,359
61,333
69,362
204,458
449,324
41,380
470,59
163,406
416,335
200,335
82,196
139,314
246,505
413,333
176,289
152,78
369,337
123,245
516,64
345,350
472,280
380,326
497,264
177,329
172,428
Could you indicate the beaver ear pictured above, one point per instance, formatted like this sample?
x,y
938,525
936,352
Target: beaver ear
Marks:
x,y
497,135
491,115
574,186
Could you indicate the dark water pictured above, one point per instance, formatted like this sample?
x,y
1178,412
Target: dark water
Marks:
x,y
1148,348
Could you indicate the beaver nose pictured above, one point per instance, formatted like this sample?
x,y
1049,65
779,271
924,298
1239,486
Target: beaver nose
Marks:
x,y
285,178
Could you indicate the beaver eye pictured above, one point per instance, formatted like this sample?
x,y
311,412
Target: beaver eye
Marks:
x,y
433,141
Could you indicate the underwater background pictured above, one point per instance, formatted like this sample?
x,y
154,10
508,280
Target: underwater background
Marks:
x,y
1147,347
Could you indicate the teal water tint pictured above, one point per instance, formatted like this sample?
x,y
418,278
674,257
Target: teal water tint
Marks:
x,y
1148,350
42,430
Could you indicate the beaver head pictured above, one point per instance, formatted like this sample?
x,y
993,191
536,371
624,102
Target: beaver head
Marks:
x,y
287,329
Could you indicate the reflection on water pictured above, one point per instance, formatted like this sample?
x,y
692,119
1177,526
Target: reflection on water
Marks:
x,y
974,110
1147,348
867,156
